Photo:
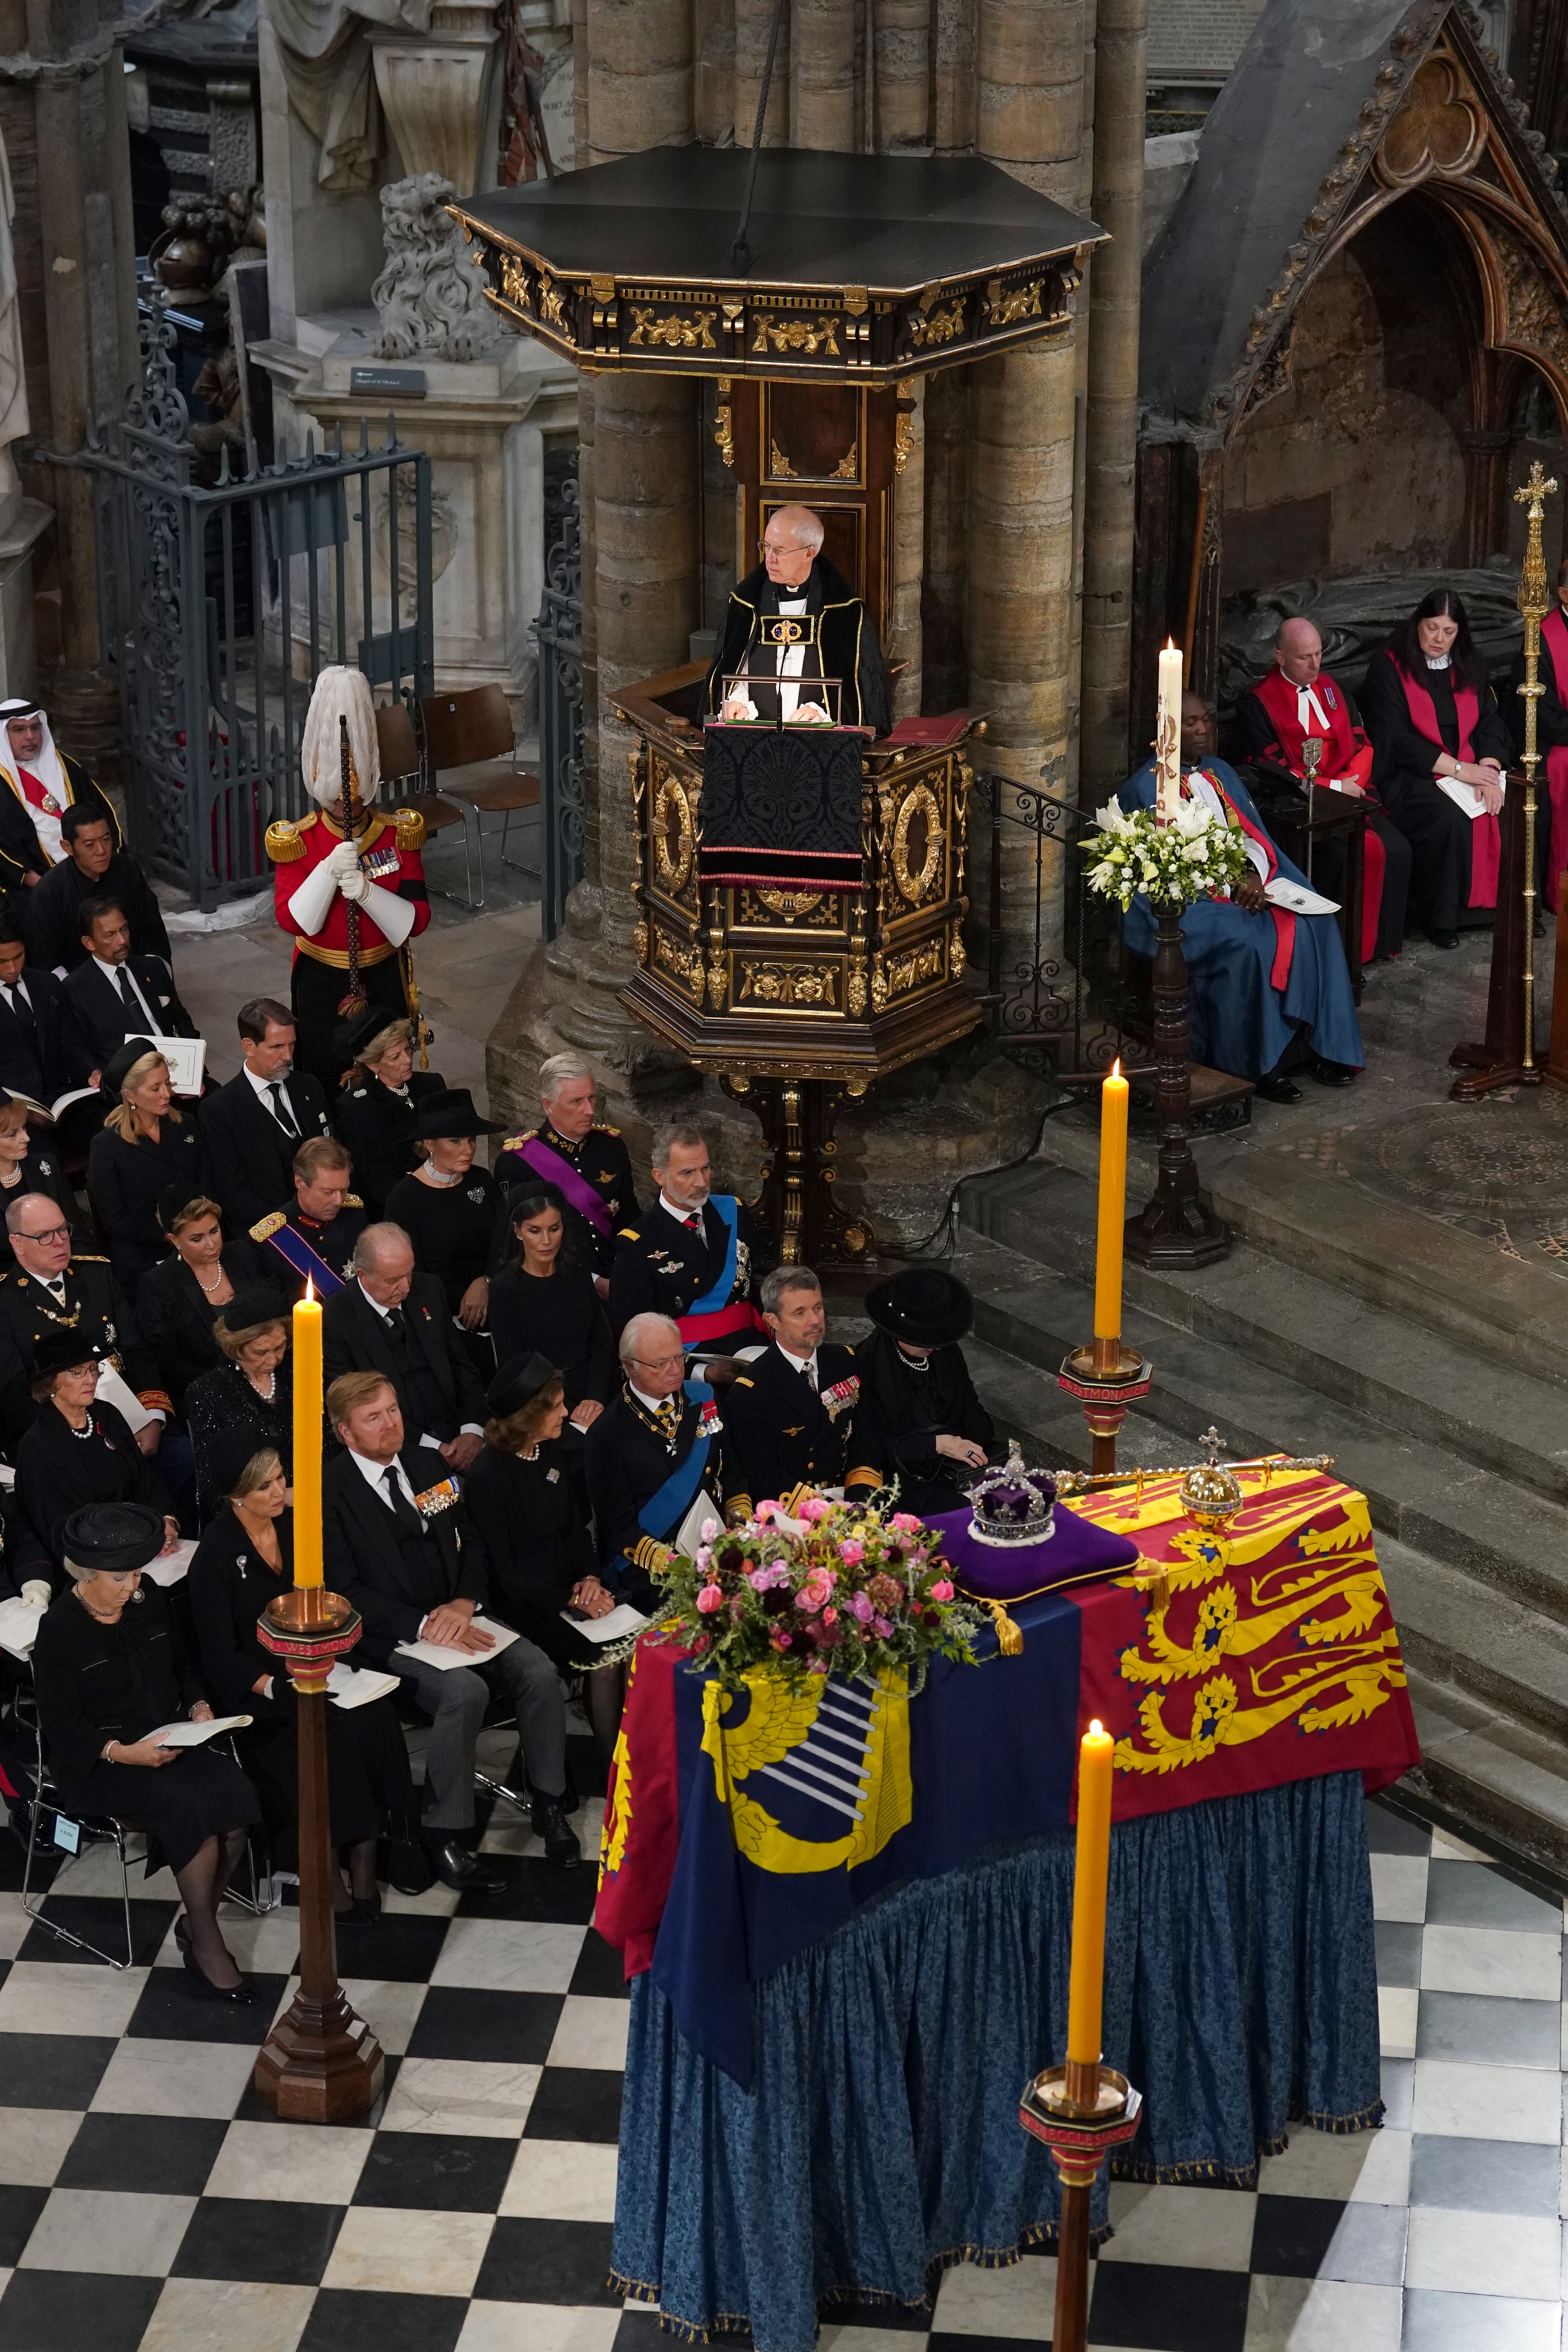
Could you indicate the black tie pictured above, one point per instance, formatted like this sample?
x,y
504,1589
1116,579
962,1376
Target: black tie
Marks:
x,y
397,1326
407,1519
123,981
22,1009
280,1110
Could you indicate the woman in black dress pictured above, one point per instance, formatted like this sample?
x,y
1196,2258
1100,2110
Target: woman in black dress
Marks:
x,y
914,1377
179,1299
243,1560
79,1450
521,1499
143,1146
1430,714
27,1164
252,1391
381,1100
544,1304
109,1668
452,1213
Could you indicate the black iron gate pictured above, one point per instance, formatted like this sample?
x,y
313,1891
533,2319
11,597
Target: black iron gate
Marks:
x,y
222,602
558,635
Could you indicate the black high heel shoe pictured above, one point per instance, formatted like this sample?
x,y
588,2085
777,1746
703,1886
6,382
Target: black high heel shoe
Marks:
x,y
242,1995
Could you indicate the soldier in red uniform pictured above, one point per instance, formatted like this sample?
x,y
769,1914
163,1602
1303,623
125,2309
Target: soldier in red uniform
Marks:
x,y
321,876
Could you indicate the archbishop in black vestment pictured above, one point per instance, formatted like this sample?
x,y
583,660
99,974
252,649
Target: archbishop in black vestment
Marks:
x,y
795,579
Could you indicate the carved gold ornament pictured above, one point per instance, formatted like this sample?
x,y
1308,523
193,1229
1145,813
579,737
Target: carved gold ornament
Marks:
x,y
640,937
1018,303
920,816
856,994
808,335
956,958
790,904
690,331
725,435
783,983
685,962
551,309
673,834
903,425
514,282
849,466
933,326
779,466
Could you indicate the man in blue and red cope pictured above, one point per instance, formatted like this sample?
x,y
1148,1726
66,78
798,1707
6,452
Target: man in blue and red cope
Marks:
x,y
322,875
1295,702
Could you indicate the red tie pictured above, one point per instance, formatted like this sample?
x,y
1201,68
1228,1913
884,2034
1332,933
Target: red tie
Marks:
x,y
37,797
694,1224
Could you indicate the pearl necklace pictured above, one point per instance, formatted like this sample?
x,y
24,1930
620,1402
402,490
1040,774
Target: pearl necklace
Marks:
x,y
441,1176
210,1286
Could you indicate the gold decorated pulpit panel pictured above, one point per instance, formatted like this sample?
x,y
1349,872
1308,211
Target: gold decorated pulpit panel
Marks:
x,y
751,981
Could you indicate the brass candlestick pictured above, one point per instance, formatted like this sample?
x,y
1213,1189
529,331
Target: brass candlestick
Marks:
x,y
320,2063
1081,2113
1106,1378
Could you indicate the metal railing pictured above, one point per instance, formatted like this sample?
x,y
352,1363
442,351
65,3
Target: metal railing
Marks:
x,y
220,603
1063,1010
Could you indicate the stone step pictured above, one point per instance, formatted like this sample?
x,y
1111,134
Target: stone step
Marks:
x,y
1395,1257
1503,1782
1511,1659
1473,1518
1429,1384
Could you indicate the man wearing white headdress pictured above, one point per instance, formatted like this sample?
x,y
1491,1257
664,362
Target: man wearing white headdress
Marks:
x,y
373,868
37,784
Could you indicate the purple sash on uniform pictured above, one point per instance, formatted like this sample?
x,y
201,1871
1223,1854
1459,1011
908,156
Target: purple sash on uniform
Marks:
x,y
556,1169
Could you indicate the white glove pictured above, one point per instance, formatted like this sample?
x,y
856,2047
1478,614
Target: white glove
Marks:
x,y
35,1592
343,861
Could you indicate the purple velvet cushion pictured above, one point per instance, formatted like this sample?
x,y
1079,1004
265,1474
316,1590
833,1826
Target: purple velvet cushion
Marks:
x,y
1005,1572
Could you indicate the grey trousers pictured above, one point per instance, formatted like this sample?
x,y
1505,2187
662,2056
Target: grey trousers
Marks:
x,y
456,1703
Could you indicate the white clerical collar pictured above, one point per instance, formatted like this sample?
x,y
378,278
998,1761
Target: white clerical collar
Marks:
x,y
806,1364
1307,702
681,1216
1437,661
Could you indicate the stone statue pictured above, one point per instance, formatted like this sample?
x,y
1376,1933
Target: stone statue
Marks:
x,y
14,419
326,62
430,297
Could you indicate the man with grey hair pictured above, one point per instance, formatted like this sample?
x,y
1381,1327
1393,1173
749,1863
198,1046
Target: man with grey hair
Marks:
x,y
650,1453
386,1319
691,1256
587,1164
793,619
793,1416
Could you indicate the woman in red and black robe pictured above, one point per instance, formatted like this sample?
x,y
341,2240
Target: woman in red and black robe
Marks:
x,y
1432,718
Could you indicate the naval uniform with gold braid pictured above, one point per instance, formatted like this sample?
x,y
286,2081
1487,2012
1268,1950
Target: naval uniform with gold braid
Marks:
x,y
87,1299
783,1435
389,847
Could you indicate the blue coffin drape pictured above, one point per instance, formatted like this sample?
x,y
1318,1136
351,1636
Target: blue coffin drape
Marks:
x,y
882,2139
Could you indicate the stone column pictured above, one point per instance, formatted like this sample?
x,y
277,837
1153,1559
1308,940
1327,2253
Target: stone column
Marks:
x,y
901,65
715,91
1020,619
1117,204
639,76
822,66
754,19
952,80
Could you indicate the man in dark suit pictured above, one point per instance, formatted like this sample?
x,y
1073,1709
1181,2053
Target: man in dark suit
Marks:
x,y
253,1127
790,1417
47,1289
401,1548
386,1319
690,1256
116,994
94,866
43,1053
652,1450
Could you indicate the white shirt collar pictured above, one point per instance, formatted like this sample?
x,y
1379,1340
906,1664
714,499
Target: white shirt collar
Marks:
x,y
681,1216
651,1402
375,1475
261,1085
375,1308
112,970
801,1363
18,987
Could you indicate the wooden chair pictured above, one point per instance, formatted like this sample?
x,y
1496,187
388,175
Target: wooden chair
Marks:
x,y
473,733
399,750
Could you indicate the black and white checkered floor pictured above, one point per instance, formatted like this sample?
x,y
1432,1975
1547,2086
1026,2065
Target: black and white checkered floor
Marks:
x,y
149,2203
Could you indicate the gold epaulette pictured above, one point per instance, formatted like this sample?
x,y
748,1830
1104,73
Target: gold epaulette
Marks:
x,y
283,843
410,827
89,1257
742,1381
864,1476
268,1226
628,1234
601,1129
790,1502
352,1200
516,1142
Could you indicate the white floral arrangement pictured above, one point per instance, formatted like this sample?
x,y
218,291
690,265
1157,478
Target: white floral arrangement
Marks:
x,y
1195,855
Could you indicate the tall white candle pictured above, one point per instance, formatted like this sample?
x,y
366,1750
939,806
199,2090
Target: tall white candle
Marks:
x,y
1168,736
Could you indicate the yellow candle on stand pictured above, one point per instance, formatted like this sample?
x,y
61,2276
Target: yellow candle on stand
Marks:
x,y
1090,1878
1113,1206
308,1440
1168,736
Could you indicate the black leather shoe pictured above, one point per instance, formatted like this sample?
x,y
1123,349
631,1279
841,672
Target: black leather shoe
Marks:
x,y
560,1838
241,1995
408,1866
454,1867
1332,1073
1278,1090
1443,939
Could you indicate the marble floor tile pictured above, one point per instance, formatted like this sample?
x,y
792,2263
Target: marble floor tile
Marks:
x,y
1297,2315
1373,2168
1435,2322
1399,1887
1487,2029
108,2230
14,1926
1491,1961
460,2095
1486,2102
390,2011
305,2164
399,2251
590,2033
228,2315
507,1955
33,2143
1018,2302
1470,2253
542,2327
1367,2248
68,1997
561,2180
438,1902
1447,1848
1200,2228
176,2078
1397,2010
1397,2077
1457,1896
1486,2176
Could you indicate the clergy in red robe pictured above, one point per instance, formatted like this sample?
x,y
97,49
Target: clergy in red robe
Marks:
x,y
1552,732
1295,702
1442,754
